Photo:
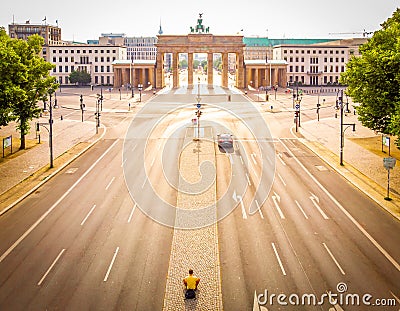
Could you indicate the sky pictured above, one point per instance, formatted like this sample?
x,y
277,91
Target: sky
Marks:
x,y
81,20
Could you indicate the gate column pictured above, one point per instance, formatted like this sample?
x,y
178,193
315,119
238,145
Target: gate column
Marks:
x,y
190,70
175,69
224,70
210,70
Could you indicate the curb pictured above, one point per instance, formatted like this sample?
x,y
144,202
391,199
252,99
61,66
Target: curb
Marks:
x,y
29,192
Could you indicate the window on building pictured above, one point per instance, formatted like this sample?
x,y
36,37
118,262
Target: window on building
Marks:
x,y
108,51
337,59
66,59
290,68
60,51
342,59
59,68
337,52
102,68
72,59
331,59
308,51
96,80
102,51
108,59
54,59
302,68
302,59
284,51
297,59
96,59
54,69
319,52
325,68
54,52
291,52
96,51
108,68
72,68
102,59
342,69
297,68
60,59
331,51
66,68
291,59
78,51
90,51
108,79
96,68
114,51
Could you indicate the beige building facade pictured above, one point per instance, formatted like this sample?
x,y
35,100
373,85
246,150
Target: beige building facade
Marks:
x,y
97,60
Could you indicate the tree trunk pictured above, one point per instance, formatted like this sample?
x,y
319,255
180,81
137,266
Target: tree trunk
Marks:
x,y
22,146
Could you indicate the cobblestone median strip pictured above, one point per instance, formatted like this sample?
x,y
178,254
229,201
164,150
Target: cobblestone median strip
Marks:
x,y
195,249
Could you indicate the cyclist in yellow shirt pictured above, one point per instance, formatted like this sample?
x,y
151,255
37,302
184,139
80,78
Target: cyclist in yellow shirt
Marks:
x,y
191,281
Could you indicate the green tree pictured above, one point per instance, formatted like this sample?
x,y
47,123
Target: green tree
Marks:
x,y
373,79
80,77
183,64
25,80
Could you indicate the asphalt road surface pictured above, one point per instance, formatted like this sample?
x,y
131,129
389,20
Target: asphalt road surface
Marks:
x,y
80,242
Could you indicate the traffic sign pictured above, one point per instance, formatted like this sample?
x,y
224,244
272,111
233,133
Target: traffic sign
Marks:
x,y
198,106
297,106
389,163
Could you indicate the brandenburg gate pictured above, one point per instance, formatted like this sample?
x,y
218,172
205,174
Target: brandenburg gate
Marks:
x,y
199,40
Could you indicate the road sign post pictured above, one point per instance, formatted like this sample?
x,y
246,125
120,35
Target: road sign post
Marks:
x,y
388,163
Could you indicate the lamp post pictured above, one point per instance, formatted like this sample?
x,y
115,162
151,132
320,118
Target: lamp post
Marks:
x,y
342,129
82,105
140,88
51,132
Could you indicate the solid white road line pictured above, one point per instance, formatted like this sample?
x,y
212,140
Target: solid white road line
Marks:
x,y
131,214
280,177
242,207
395,297
144,182
253,157
111,264
279,259
109,184
51,267
248,179
259,209
348,215
87,216
275,199
241,160
16,243
334,259
299,206
318,208
279,155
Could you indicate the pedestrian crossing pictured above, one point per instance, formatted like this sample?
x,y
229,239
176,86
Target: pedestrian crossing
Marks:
x,y
203,88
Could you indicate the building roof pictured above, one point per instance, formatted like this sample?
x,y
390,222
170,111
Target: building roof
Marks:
x,y
262,42
262,62
134,62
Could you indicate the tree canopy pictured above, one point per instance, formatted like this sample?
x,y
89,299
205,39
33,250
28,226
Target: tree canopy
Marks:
x,y
80,77
373,79
24,80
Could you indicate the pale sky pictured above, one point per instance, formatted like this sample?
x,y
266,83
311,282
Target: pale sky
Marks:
x,y
82,20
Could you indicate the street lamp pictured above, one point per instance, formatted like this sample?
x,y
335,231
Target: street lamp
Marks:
x,y
140,88
50,129
342,130
297,107
82,105
99,102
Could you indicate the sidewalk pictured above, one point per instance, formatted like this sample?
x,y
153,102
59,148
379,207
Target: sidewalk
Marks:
x,y
24,170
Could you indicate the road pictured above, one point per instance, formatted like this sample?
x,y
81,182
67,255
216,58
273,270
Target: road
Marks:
x,y
94,237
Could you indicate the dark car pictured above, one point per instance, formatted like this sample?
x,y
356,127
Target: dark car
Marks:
x,y
225,141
